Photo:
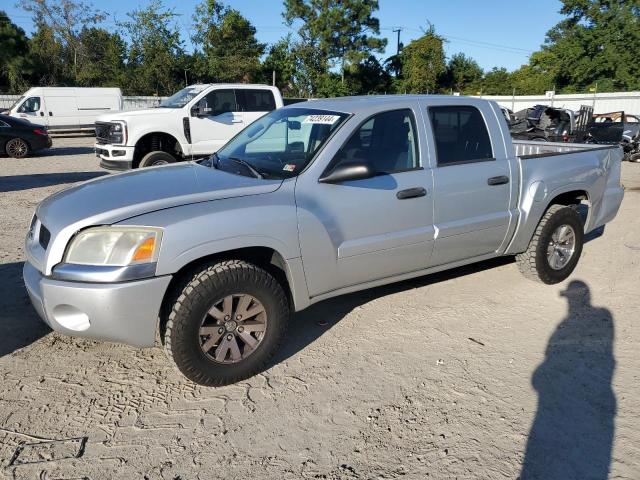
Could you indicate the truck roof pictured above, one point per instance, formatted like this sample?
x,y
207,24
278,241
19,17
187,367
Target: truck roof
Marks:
x,y
373,102
234,85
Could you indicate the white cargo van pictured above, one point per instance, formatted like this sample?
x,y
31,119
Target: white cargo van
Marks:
x,y
66,108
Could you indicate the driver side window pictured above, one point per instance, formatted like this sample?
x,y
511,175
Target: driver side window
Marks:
x,y
387,141
30,105
217,103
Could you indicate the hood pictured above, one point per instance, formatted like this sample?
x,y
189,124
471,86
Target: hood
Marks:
x,y
124,114
113,198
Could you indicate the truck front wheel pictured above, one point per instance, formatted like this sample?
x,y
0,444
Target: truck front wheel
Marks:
x,y
555,248
153,159
226,322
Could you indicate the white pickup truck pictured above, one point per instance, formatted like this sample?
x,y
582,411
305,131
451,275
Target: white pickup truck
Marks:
x,y
194,122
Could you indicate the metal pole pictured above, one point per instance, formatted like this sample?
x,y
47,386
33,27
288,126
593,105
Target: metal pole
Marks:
x,y
273,78
513,100
398,30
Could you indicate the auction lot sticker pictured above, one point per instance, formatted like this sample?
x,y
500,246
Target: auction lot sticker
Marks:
x,y
322,119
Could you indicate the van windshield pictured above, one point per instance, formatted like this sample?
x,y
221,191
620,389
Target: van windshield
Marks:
x,y
181,98
16,103
281,143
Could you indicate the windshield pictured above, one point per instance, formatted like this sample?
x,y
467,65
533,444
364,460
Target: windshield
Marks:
x,y
283,142
181,98
16,103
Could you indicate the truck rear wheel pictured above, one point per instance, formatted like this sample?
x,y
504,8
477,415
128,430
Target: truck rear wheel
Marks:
x,y
226,322
153,159
555,248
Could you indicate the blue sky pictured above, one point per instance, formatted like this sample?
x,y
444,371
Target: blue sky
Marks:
x,y
495,32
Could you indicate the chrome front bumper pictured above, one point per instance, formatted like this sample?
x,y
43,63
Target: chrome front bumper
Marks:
x,y
118,312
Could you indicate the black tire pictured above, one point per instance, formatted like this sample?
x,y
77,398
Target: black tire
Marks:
x,y
197,295
17,148
153,159
635,158
534,264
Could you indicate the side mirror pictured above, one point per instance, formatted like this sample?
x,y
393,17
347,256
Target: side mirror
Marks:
x,y
348,171
195,111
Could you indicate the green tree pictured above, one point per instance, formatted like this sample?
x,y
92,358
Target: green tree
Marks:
x,y
339,33
15,64
596,42
462,72
231,52
48,57
156,56
281,61
65,19
102,58
496,82
423,64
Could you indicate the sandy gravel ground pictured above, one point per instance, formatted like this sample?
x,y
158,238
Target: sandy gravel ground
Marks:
x,y
473,374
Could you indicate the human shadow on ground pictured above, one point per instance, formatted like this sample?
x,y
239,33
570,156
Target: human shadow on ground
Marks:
x,y
572,433
20,325
14,183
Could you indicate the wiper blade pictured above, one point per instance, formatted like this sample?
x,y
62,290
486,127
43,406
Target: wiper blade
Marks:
x,y
247,165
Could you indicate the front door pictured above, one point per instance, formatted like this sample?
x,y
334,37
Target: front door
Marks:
x,y
365,230
32,110
216,120
473,187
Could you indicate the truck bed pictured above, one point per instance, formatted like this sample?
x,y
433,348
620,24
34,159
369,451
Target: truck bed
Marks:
x,y
534,149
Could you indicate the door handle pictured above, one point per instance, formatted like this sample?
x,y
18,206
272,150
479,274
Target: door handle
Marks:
x,y
411,193
499,180
50,114
42,114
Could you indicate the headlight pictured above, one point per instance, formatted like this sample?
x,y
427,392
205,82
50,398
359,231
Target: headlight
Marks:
x,y
115,246
118,132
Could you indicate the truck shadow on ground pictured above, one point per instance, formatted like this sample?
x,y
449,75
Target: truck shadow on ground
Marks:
x,y
20,325
63,151
310,324
15,183
572,434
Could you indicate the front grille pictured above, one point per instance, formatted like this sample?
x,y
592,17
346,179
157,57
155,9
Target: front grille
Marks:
x,y
102,132
44,237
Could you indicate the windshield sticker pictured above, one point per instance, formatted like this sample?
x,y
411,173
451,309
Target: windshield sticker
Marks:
x,y
322,119
289,167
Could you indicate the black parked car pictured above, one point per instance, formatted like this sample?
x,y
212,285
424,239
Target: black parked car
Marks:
x,y
18,137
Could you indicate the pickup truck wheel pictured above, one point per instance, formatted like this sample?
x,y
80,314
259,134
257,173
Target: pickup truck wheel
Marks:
x,y
17,148
555,248
226,323
153,159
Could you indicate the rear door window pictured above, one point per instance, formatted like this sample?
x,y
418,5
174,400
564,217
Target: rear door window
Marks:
x,y
255,100
460,134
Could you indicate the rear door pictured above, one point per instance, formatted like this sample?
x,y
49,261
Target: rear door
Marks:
x,y
254,103
218,121
472,182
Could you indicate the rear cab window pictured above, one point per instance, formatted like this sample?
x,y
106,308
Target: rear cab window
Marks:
x,y
255,100
460,135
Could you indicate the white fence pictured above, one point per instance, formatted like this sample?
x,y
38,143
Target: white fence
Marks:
x,y
601,102
129,103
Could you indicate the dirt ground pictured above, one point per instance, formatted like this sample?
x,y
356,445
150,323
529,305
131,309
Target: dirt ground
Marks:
x,y
477,373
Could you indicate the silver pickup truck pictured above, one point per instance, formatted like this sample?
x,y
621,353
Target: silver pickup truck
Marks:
x,y
307,203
